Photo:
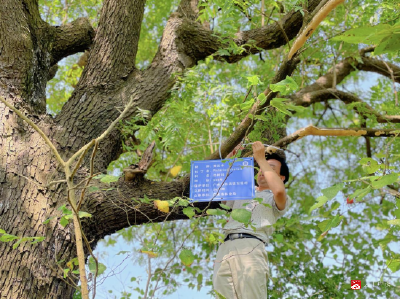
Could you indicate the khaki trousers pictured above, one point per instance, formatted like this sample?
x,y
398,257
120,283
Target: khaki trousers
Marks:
x,y
241,270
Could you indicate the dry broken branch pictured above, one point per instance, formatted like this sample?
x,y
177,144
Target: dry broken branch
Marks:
x,y
337,132
310,28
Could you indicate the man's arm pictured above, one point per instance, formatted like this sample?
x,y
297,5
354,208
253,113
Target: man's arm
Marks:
x,y
274,181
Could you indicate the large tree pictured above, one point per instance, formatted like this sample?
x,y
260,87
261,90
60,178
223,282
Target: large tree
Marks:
x,y
33,183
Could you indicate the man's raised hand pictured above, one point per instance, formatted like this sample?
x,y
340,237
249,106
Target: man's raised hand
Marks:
x,y
258,151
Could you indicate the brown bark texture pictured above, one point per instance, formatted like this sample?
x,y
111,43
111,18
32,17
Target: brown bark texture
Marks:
x,y
31,186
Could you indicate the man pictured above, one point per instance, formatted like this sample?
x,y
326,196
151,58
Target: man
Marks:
x,y
241,267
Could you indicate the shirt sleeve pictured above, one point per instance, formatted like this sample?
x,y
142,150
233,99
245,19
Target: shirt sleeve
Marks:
x,y
278,213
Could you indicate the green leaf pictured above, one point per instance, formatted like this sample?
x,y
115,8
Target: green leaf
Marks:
x,y
393,265
389,44
65,210
285,86
7,238
331,192
323,224
320,202
261,98
369,165
336,220
258,199
241,215
220,296
182,202
216,212
328,224
36,240
189,211
66,272
246,105
385,180
253,80
109,179
17,243
48,220
2,231
261,117
224,206
64,221
284,106
359,194
279,238
200,279
84,214
365,35
279,103
335,206
394,222
92,266
186,256
93,189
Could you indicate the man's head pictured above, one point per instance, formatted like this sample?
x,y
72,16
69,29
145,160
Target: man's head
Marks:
x,y
278,164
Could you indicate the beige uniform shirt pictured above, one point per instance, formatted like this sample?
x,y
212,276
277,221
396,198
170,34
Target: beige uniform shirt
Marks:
x,y
262,217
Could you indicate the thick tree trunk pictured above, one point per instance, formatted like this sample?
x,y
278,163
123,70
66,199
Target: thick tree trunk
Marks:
x,y
26,164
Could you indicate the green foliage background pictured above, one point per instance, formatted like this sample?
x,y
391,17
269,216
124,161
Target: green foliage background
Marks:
x,y
209,98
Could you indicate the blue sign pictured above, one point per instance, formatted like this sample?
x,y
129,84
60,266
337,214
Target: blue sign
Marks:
x,y
217,180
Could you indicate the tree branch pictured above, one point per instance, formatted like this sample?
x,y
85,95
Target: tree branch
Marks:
x,y
342,69
184,42
379,66
247,124
338,132
71,38
189,9
112,57
271,36
306,99
121,206
310,28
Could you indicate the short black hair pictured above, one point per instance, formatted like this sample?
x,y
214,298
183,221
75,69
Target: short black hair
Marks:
x,y
284,167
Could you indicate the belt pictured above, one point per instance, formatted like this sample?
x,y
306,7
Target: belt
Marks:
x,y
232,237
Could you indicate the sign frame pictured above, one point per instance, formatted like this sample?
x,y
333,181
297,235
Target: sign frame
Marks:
x,y
206,177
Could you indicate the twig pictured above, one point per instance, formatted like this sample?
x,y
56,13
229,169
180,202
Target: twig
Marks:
x,y
96,144
148,278
104,134
55,182
81,158
262,12
393,82
37,129
40,187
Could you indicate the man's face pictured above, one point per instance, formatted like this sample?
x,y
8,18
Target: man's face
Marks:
x,y
276,166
